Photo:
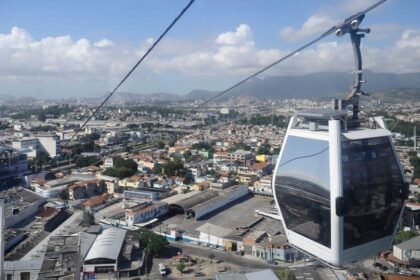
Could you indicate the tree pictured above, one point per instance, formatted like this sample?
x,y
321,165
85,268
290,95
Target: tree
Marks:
x,y
88,219
119,172
132,126
180,267
284,274
157,169
404,235
64,195
173,167
211,257
151,242
187,155
160,144
41,117
264,150
86,161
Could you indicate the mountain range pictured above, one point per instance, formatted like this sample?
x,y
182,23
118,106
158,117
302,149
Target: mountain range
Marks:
x,y
385,86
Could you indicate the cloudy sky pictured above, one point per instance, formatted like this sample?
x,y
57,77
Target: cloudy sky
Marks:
x,y
76,48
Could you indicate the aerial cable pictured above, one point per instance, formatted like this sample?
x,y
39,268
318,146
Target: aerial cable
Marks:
x,y
338,29
132,69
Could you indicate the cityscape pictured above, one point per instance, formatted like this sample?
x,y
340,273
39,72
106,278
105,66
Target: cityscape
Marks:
x,y
270,181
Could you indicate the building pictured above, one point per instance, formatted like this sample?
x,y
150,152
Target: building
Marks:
x,y
241,157
22,269
104,254
12,163
87,189
408,252
144,212
49,144
20,204
52,189
61,259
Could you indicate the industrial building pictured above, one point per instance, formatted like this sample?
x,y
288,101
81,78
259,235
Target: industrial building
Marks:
x,y
408,252
111,253
12,163
207,201
20,204
49,144
144,212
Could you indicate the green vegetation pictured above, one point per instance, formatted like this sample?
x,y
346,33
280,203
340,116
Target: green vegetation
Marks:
x,y
203,146
415,162
86,161
64,195
187,155
403,127
180,267
211,257
157,169
42,114
264,150
173,167
404,235
132,126
240,146
151,242
284,274
88,219
123,168
277,120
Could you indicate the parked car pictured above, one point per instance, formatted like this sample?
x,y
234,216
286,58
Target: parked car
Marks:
x,y
220,248
272,262
198,274
195,242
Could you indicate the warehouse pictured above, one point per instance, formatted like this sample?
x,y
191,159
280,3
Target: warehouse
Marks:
x,y
224,198
183,205
104,254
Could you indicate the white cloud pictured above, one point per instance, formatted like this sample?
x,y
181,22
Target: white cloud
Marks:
x,y
314,25
232,53
410,39
241,35
104,43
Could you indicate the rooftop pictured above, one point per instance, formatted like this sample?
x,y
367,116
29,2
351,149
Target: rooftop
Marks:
x,y
411,244
107,245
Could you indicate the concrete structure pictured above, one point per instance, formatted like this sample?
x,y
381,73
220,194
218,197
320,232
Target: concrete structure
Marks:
x,y
408,251
2,241
20,204
49,144
240,156
51,189
104,253
144,212
22,269
61,260
12,163
225,197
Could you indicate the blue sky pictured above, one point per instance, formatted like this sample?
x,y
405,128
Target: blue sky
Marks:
x,y
82,48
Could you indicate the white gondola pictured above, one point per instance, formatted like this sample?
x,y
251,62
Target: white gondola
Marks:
x,y
340,192
340,187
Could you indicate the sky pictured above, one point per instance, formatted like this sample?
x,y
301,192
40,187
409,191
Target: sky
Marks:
x,y
79,48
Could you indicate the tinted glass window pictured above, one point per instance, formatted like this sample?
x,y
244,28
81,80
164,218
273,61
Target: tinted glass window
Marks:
x,y
372,185
303,188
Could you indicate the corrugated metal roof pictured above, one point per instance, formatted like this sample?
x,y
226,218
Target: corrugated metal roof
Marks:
x,y
107,245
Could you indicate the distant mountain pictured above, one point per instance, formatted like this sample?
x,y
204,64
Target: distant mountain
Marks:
x,y
389,87
397,95
317,85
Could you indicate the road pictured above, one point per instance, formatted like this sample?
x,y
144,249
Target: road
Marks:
x,y
227,257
